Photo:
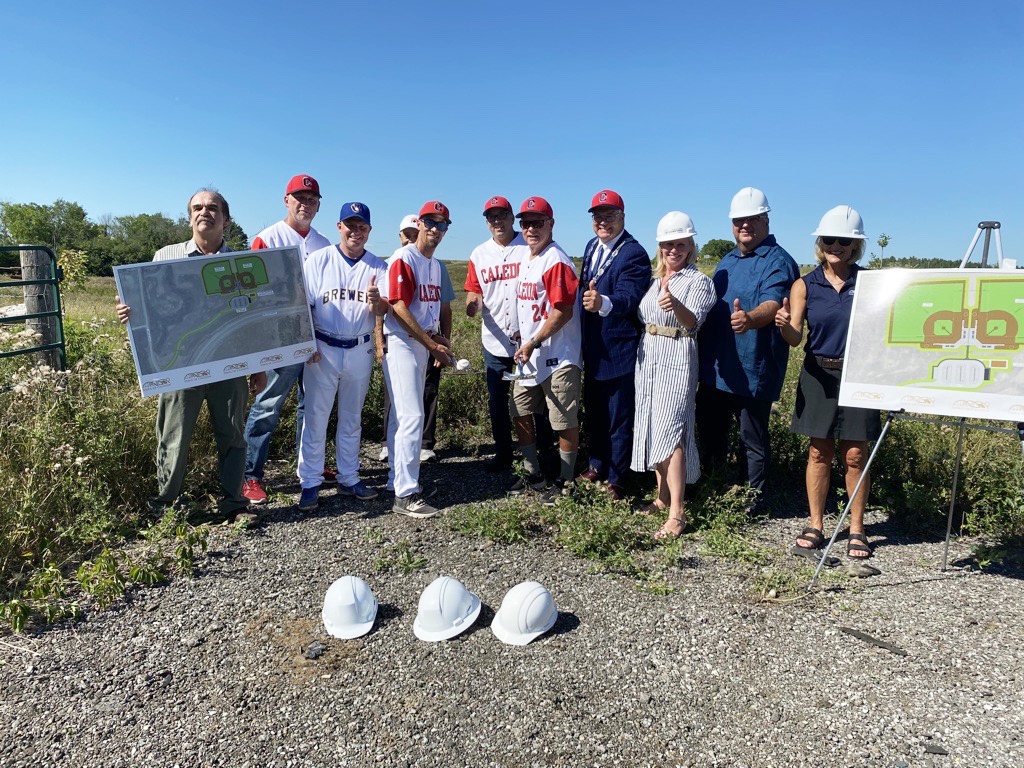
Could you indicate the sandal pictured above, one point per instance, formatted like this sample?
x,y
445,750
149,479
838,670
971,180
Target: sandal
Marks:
x,y
814,537
665,532
857,542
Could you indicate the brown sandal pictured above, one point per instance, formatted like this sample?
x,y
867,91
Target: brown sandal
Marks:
x,y
665,532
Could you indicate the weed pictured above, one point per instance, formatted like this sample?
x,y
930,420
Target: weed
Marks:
x,y
505,520
402,557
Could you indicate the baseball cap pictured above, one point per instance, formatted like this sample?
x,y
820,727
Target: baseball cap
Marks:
x,y
536,205
355,211
607,199
435,206
303,182
409,222
498,202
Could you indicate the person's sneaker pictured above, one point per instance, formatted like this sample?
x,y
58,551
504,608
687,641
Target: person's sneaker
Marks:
x,y
309,498
383,455
414,506
359,489
427,455
530,483
558,489
330,476
252,489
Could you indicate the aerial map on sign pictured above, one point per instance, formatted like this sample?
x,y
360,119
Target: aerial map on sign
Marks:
x,y
210,318
941,341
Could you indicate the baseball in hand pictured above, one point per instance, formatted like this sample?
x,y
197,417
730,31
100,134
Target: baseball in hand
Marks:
x,y
462,365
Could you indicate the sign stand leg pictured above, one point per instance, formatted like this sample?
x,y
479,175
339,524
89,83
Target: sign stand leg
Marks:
x,y
952,500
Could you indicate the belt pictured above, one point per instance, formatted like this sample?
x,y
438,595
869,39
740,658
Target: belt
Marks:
x,y
668,331
334,341
829,363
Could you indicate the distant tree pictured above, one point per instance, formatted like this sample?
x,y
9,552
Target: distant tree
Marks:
x,y
235,236
61,225
132,239
713,250
883,240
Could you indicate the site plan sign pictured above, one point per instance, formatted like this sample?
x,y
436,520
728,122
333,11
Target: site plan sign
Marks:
x,y
208,318
948,342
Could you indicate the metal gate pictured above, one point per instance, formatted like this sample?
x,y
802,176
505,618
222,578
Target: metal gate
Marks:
x,y
53,281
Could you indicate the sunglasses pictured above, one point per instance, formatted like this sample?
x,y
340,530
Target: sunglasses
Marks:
x,y
605,218
494,218
440,226
532,223
830,240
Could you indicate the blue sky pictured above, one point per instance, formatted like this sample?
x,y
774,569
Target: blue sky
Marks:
x,y
911,113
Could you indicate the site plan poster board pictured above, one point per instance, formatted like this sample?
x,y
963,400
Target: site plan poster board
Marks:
x,y
209,318
948,342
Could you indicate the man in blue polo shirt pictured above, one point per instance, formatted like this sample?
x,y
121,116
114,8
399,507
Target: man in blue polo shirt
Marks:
x,y
742,355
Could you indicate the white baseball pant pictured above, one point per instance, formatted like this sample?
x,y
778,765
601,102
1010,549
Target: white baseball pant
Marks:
x,y
343,374
405,370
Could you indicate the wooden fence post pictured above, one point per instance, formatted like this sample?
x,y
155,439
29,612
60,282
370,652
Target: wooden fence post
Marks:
x,y
35,265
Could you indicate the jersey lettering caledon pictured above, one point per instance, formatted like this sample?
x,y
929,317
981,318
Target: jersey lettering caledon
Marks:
x,y
416,280
493,273
336,291
281,235
545,280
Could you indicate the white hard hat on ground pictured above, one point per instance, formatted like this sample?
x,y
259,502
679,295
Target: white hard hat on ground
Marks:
x,y
841,221
675,225
527,612
446,609
748,202
349,608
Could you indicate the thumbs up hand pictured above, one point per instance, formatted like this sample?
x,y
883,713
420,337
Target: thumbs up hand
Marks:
x,y
667,301
783,317
739,319
591,298
373,293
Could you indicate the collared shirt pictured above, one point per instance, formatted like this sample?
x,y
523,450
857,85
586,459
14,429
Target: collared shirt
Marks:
x,y
186,249
828,312
751,364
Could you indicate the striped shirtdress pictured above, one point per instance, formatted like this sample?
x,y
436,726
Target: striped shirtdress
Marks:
x,y
666,375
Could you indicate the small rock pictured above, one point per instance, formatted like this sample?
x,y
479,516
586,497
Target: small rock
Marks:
x,y
314,650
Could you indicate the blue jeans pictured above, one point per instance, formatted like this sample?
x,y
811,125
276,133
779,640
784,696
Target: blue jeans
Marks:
x,y
265,415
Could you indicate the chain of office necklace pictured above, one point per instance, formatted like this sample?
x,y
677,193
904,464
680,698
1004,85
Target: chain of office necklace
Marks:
x,y
606,262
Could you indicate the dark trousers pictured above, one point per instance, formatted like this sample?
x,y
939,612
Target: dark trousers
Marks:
x,y
609,405
716,411
497,406
431,386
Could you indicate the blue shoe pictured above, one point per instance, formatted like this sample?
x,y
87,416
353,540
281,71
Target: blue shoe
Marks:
x,y
359,489
309,498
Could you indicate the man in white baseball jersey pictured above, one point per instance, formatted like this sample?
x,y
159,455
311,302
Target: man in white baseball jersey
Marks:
x,y
341,286
302,200
550,346
412,325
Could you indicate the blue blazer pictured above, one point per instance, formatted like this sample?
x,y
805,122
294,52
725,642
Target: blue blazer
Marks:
x,y
610,343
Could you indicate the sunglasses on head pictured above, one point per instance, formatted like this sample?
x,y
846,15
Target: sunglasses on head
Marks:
x,y
830,240
440,226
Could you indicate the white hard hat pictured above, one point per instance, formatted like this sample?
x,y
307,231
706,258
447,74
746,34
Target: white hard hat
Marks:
x,y
349,608
409,222
526,613
841,221
446,609
748,202
675,225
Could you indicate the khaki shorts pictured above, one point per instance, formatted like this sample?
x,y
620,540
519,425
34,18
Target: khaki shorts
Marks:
x,y
561,390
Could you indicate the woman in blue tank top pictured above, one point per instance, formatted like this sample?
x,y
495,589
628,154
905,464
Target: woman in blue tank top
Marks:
x,y
824,298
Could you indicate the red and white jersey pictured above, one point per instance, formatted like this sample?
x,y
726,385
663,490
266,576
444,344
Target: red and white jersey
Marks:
x,y
416,280
545,280
336,291
493,273
281,235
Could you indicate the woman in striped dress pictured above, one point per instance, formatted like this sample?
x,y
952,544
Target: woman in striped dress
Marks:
x,y
672,312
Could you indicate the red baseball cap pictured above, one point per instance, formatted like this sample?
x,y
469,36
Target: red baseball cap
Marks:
x,y
498,202
607,199
435,206
536,205
302,182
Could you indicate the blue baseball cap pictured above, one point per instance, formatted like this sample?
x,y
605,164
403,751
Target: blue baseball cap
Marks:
x,y
355,211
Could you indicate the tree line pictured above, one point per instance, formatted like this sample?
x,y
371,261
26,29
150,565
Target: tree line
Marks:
x,y
65,226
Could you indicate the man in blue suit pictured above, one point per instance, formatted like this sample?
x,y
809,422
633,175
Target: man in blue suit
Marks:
x,y
616,274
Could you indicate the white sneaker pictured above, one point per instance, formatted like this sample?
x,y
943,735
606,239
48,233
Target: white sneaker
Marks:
x,y
383,455
427,455
414,506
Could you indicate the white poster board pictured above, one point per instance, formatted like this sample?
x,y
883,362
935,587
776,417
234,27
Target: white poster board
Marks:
x,y
208,318
946,342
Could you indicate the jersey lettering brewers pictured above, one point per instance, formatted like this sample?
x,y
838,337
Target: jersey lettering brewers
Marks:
x,y
336,291
493,273
416,280
281,235
546,280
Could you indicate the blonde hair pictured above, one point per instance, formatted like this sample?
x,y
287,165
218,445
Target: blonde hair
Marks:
x,y
659,262
858,250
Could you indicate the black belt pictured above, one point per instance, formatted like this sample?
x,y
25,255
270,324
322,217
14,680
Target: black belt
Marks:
x,y
334,341
829,363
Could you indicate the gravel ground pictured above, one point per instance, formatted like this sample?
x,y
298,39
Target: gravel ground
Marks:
x,y
209,671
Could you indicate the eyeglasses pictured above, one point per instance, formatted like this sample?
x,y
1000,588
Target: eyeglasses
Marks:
x,y
830,240
440,226
494,218
746,220
605,218
533,223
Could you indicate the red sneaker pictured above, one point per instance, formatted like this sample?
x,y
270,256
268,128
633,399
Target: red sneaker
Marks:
x,y
253,491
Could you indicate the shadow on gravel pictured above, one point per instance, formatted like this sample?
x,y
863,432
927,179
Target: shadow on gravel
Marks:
x,y
386,613
567,622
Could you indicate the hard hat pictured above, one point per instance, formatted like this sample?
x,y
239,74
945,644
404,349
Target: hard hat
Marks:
x,y
675,225
748,202
526,613
349,608
446,609
841,221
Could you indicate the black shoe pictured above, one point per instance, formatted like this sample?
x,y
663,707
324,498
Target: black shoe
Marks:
x,y
496,465
558,489
530,483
